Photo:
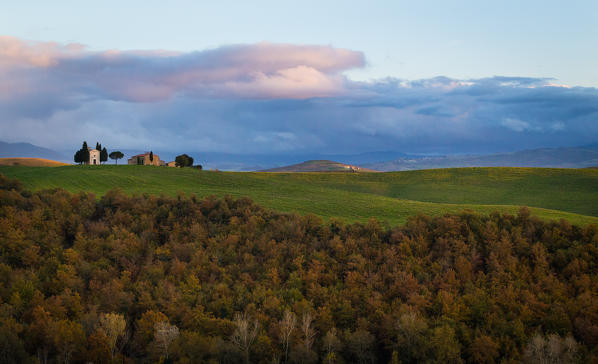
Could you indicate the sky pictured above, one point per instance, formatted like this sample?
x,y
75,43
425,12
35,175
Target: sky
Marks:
x,y
312,76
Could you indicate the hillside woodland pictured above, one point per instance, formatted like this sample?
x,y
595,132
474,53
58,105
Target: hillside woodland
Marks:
x,y
147,278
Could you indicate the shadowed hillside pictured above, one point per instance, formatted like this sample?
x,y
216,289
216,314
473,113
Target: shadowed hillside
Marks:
x,y
320,166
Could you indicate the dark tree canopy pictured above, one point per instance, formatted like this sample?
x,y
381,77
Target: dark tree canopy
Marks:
x,y
103,155
151,156
116,155
82,155
78,157
183,160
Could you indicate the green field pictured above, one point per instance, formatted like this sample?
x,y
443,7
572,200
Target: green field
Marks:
x,y
392,197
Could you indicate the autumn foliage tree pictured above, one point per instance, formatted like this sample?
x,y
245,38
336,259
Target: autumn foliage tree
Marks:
x,y
148,278
244,335
113,326
164,335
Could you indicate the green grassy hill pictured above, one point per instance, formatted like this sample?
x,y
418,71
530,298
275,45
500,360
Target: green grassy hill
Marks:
x,y
391,197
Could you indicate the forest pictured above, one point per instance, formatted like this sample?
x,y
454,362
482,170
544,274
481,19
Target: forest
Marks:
x,y
144,278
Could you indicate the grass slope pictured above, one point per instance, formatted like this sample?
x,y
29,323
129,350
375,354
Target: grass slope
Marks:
x,y
30,162
391,197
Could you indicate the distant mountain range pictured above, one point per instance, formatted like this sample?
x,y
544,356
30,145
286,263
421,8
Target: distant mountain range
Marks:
x,y
568,157
572,157
319,166
28,150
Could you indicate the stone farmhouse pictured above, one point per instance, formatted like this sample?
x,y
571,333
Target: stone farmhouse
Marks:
x,y
94,156
144,159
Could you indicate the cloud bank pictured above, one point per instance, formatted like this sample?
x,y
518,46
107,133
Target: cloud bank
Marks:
x,y
261,70
273,98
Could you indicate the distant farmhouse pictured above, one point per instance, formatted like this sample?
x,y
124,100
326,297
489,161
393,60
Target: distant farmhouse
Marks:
x,y
146,159
98,155
91,156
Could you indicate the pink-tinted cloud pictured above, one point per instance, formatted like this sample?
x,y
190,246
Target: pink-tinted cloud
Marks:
x,y
18,53
263,70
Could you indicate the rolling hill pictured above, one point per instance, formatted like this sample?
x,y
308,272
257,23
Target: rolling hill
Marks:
x,y
30,162
320,166
390,197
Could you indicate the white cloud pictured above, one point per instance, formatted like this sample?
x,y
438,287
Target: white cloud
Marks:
x,y
558,126
517,125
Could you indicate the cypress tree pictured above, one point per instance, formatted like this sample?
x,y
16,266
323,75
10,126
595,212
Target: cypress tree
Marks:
x,y
84,153
77,156
151,156
103,155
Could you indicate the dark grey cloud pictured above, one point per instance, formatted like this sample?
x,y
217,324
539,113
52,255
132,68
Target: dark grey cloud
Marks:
x,y
436,110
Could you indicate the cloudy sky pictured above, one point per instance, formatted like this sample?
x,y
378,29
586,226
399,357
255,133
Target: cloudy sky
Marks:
x,y
266,77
